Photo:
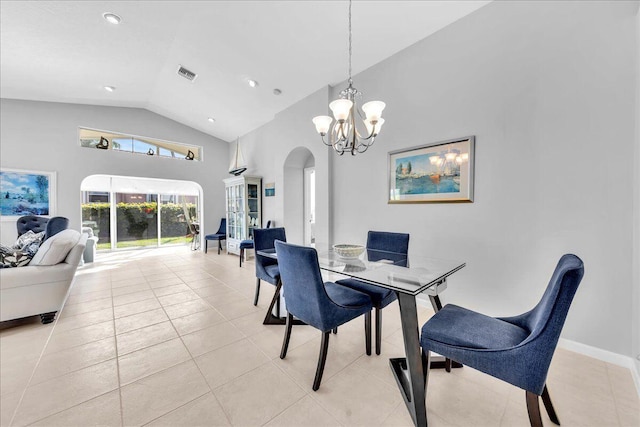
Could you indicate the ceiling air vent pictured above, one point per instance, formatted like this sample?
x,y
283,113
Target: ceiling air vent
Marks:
x,y
189,75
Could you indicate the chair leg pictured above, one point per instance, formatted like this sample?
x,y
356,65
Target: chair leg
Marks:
x,y
278,307
367,332
533,407
437,306
241,256
378,331
324,346
206,245
426,364
255,298
546,399
219,246
335,330
287,336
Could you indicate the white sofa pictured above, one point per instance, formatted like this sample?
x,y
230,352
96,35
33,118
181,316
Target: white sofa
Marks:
x,y
38,289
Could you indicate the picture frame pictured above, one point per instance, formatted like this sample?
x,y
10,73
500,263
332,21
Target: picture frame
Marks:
x,y
441,172
270,189
26,192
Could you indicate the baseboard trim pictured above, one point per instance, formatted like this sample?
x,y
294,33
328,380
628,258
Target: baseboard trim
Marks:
x,y
605,356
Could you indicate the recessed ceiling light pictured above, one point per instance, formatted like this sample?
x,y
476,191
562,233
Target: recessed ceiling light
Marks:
x,y
277,91
112,18
211,119
252,83
109,88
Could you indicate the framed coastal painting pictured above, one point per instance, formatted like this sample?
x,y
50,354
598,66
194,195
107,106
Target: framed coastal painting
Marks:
x,y
270,189
433,173
24,192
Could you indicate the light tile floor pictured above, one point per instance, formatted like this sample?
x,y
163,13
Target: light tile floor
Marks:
x,y
170,337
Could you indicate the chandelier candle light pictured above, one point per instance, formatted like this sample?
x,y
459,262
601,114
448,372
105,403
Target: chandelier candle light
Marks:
x,y
342,134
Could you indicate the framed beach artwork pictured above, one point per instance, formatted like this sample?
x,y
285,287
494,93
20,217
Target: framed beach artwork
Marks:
x,y
270,189
433,173
24,192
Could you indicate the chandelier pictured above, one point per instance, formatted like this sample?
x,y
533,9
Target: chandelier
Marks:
x,y
343,134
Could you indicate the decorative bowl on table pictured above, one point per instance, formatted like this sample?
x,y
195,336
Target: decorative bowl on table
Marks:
x,y
348,250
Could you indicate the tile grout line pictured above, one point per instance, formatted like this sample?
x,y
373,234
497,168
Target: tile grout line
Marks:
x,y
247,337
24,391
615,400
115,333
196,365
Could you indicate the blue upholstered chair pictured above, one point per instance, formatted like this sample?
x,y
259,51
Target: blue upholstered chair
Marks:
x,y
394,243
516,349
220,235
51,226
267,268
248,244
322,305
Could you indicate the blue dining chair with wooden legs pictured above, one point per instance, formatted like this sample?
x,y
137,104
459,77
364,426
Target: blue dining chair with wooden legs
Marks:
x,y
248,244
323,305
516,349
267,269
393,244
220,235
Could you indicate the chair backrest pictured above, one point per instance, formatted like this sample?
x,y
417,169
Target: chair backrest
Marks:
x,y
37,224
56,225
223,226
395,243
302,284
548,316
264,238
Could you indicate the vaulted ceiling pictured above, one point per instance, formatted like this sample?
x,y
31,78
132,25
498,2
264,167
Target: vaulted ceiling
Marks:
x,y
64,51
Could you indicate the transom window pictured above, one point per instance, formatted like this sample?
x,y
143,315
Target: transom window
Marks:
x,y
92,138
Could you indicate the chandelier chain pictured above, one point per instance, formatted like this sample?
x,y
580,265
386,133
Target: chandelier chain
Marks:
x,y
350,80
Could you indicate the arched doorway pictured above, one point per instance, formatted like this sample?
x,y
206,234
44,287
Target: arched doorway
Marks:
x,y
134,212
299,196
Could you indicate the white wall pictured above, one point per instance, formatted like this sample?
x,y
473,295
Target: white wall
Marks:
x,y
266,150
546,89
44,136
635,326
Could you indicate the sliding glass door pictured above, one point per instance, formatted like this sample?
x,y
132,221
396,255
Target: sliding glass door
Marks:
x,y
137,220
96,214
178,214
140,220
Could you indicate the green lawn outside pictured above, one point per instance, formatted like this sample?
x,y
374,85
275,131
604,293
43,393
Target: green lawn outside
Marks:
x,y
180,240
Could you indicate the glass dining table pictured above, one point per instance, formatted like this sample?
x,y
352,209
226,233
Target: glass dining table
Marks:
x,y
407,277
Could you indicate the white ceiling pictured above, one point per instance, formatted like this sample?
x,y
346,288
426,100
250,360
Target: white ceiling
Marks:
x,y
64,51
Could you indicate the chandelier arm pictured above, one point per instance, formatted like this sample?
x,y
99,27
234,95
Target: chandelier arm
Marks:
x,y
335,129
369,135
360,151
328,144
364,119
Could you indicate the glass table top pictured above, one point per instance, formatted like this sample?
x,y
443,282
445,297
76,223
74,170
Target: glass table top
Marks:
x,y
410,275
